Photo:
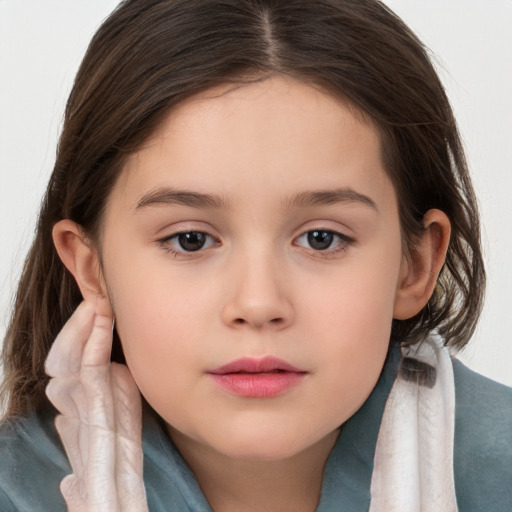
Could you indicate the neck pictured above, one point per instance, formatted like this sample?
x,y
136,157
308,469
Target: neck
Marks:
x,y
232,485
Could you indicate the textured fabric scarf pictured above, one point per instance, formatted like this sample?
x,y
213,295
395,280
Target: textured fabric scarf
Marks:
x,y
413,469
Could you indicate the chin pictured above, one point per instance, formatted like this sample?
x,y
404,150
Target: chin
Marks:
x,y
264,444
267,451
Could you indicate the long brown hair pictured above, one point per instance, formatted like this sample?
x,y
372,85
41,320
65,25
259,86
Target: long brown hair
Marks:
x,y
149,55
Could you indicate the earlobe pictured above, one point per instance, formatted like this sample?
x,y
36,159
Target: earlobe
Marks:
x,y
420,270
81,259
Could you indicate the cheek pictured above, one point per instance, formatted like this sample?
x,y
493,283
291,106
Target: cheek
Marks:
x,y
358,298
162,328
351,323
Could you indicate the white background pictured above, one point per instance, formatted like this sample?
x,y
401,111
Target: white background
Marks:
x,y
41,44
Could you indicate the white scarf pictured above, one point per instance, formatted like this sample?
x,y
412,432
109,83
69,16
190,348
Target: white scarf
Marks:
x,y
413,469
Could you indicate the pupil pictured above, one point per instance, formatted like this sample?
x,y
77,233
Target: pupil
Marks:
x,y
192,241
320,240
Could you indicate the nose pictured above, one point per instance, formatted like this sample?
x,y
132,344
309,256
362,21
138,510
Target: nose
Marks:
x,y
258,297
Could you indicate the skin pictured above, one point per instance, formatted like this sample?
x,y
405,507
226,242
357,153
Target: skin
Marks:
x,y
257,287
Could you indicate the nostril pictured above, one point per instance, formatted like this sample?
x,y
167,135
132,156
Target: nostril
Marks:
x,y
273,321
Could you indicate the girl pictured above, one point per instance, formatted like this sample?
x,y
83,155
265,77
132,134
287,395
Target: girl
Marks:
x,y
269,202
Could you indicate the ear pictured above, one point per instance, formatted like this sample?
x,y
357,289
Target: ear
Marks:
x,y
80,257
420,269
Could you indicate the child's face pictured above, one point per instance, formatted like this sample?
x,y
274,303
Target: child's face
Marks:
x,y
250,175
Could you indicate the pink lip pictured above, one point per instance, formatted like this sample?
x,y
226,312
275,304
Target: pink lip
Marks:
x,y
257,378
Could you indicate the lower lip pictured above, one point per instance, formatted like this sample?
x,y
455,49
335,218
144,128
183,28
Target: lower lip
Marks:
x,y
258,385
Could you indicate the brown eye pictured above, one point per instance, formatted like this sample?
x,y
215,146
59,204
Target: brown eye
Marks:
x,y
320,240
191,241
188,243
324,241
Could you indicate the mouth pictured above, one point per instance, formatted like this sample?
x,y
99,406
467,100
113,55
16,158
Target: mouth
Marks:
x,y
257,378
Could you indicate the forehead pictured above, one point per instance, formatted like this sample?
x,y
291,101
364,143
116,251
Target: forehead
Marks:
x,y
275,135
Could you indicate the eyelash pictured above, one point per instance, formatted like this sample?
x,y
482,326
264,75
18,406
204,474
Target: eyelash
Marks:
x,y
344,242
166,244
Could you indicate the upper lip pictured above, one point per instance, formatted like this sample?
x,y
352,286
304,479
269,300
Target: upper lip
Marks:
x,y
256,365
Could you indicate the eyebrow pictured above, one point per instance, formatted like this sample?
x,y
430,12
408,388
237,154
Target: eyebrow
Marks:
x,y
330,197
171,196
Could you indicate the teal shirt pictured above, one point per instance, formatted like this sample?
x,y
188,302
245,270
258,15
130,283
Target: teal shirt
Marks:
x,y
32,461
483,443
